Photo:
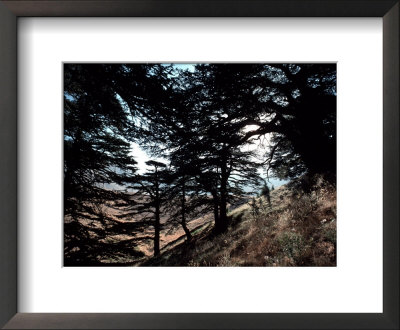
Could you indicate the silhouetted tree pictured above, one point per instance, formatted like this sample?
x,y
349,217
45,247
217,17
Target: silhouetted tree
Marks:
x,y
99,127
204,123
149,198
223,163
178,200
100,122
304,105
96,153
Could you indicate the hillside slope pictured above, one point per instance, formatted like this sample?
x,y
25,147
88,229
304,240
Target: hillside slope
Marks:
x,y
296,229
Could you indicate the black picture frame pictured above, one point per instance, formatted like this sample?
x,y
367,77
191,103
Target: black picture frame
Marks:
x,y
9,13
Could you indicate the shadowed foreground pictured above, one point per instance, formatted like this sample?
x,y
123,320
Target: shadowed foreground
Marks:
x,y
295,229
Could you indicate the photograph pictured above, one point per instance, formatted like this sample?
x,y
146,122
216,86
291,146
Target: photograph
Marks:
x,y
199,164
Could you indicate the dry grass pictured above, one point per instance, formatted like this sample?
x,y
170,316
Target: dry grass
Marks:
x,y
299,229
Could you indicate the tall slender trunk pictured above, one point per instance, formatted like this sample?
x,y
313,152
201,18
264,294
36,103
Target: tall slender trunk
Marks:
x,y
183,213
216,209
157,217
223,197
157,231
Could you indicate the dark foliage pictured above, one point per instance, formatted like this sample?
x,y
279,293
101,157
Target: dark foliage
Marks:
x,y
203,123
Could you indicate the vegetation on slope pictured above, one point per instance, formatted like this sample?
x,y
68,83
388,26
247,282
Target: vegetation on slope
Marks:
x,y
298,229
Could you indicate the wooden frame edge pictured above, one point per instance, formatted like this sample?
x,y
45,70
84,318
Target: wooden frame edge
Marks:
x,y
8,164
11,10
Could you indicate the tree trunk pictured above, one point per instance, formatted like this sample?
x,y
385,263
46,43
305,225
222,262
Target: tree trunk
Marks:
x,y
157,217
157,232
187,231
216,209
223,198
183,212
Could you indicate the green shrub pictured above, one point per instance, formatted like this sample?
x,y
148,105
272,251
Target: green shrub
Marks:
x,y
330,235
291,244
265,191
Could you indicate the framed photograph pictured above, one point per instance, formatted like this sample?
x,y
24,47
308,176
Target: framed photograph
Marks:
x,y
202,172
223,152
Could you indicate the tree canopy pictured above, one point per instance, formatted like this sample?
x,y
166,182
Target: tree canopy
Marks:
x,y
203,122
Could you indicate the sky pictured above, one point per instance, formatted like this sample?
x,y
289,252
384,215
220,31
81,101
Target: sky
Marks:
x,y
142,157
185,66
